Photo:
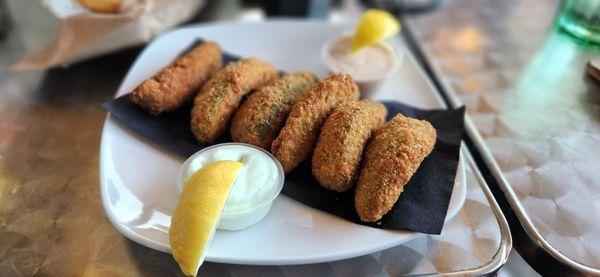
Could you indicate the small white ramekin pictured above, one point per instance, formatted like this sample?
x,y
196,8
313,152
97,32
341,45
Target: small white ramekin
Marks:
x,y
239,220
367,85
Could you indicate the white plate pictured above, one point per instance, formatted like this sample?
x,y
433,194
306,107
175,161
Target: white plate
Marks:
x,y
137,177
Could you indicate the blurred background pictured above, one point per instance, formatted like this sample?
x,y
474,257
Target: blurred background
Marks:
x,y
35,24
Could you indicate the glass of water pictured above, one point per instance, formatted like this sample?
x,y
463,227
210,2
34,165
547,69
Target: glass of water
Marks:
x,y
581,19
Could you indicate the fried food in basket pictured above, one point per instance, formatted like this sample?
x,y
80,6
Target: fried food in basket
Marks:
x,y
175,85
297,138
103,6
261,116
222,94
393,156
344,135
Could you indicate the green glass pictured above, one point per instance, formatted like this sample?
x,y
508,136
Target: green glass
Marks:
x,y
581,18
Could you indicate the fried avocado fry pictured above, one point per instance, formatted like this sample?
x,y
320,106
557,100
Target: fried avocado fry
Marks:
x,y
176,84
297,138
260,117
221,95
344,135
393,156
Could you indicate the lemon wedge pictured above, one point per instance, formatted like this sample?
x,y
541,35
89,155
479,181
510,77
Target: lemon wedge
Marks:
x,y
373,26
197,213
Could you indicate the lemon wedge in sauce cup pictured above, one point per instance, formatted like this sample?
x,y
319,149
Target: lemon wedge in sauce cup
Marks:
x,y
369,54
374,26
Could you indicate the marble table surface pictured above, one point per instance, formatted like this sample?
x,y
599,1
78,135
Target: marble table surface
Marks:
x,y
533,113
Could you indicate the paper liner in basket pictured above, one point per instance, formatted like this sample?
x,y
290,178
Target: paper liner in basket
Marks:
x,y
84,34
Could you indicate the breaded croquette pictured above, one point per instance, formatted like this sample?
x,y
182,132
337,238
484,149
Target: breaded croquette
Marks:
x,y
221,95
344,135
260,117
393,156
175,85
298,136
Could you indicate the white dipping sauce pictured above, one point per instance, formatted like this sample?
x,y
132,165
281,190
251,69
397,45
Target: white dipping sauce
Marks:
x,y
372,61
255,183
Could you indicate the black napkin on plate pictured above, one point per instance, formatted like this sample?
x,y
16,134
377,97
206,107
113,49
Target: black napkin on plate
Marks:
x,y
421,207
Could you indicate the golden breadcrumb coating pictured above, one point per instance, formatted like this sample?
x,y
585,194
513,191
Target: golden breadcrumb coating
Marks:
x,y
176,84
301,130
221,95
260,117
344,135
393,156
